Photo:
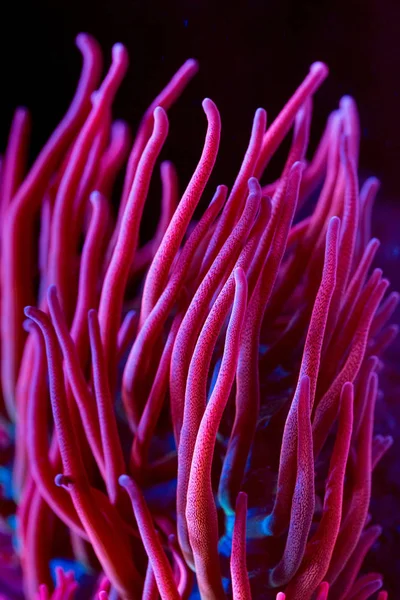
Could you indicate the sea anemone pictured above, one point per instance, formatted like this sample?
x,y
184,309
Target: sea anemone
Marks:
x,y
212,386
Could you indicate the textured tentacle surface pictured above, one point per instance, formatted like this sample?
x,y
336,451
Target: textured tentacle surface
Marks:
x,y
189,412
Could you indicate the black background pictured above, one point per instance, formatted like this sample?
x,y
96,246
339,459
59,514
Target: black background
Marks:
x,y
251,54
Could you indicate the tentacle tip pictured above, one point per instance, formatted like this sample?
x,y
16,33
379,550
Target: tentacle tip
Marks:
x,y
92,316
396,296
22,112
334,221
192,65
261,112
241,501
124,480
166,165
374,182
28,311
52,293
62,480
297,168
320,68
239,275
254,186
348,387
208,105
82,39
222,189
375,242
95,197
160,115
346,101
119,53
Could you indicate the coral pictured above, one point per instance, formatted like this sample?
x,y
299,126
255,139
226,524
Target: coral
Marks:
x,y
188,411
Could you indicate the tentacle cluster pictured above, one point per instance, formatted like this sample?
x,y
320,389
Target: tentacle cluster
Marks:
x,y
212,389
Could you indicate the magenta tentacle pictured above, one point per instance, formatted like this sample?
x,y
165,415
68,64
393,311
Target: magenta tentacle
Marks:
x,y
43,471
316,169
201,513
159,562
36,558
16,291
368,194
280,127
364,381
150,589
114,462
185,578
355,518
62,246
319,549
223,371
365,586
384,313
154,324
240,579
113,158
117,273
278,518
346,579
197,310
380,445
348,232
327,406
153,406
165,99
302,509
88,178
90,268
194,407
247,394
159,269
351,125
127,332
14,163
104,540
169,203
234,204
82,394
323,591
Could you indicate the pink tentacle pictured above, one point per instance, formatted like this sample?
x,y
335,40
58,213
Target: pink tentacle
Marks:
x,y
201,513
159,562
158,272
240,579
113,289
16,273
